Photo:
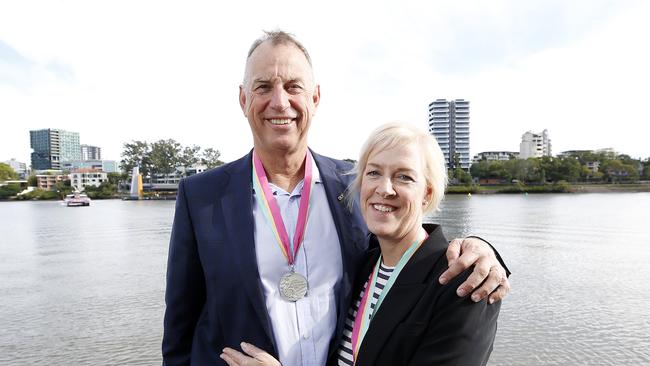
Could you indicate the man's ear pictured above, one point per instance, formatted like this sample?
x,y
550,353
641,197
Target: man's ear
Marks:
x,y
316,96
242,99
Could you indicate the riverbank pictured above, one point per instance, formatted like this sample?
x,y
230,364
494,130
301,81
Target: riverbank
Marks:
x,y
549,188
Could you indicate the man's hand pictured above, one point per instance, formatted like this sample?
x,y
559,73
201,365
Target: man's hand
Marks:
x,y
256,357
463,253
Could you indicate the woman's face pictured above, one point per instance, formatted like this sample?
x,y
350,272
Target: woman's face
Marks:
x,y
393,192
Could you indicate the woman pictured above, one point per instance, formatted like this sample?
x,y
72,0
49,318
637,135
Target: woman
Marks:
x,y
403,316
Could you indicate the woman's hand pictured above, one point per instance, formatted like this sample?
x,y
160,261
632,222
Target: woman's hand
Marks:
x,y
253,357
488,272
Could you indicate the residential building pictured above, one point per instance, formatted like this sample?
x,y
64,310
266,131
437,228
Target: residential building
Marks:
x,y
18,167
47,181
449,124
495,155
89,152
535,145
108,166
82,178
52,146
593,166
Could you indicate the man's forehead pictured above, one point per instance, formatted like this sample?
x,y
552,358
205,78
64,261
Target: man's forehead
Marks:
x,y
284,61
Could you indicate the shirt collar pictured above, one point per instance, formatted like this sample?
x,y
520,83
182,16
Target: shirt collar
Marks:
x,y
315,174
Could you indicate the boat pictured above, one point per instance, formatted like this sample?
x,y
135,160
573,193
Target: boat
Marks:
x,y
76,200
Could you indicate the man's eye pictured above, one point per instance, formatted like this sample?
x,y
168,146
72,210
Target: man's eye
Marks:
x,y
294,88
262,87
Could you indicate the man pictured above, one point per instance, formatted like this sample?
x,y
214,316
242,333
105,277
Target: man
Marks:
x,y
236,271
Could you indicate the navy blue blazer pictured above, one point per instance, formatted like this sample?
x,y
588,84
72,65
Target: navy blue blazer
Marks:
x,y
214,295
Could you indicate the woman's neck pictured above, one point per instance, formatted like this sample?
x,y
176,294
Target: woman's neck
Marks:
x,y
393,250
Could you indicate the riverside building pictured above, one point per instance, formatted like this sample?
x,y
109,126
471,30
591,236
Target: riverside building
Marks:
x,y
89,152
52,146
535,145
495,156
449,124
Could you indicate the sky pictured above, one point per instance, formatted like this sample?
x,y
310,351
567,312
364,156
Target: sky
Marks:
x,y
147,70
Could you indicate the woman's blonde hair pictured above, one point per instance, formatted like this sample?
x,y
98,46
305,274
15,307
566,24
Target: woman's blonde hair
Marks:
x,y
395,134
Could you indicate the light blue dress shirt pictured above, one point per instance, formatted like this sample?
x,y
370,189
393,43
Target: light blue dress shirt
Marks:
x,y
302,329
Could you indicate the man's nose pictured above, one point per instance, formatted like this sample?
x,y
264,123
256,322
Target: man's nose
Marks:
x,y
279,98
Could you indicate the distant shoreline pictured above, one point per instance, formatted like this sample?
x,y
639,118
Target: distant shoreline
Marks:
x,y
550,188
480,189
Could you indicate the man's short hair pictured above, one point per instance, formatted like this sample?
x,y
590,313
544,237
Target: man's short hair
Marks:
x,y
277,37
396,134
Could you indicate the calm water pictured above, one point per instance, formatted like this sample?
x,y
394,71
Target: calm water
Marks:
x,y
85,286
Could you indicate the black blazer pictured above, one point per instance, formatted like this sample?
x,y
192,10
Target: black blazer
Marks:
x,y
214,296
422,322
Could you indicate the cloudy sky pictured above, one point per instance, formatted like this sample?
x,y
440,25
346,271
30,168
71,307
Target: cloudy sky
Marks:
x,y
116,71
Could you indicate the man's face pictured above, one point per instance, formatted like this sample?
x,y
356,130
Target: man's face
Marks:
x,y
279,97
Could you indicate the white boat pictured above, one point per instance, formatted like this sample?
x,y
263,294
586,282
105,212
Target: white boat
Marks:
x,y
77,199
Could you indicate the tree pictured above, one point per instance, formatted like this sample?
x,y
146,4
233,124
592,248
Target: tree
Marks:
x,y
616,171
62,188
32,181
189,157
9,190
480,169
646,169
7,172
210,157
164,156
136,153
116,178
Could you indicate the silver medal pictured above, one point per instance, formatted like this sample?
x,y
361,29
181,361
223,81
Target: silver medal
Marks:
x,y
293,286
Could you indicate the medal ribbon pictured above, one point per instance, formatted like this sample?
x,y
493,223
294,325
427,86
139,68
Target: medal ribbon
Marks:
x,y
363,318
271,211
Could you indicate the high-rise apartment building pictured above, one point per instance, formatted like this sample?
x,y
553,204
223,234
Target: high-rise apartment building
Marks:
x,y
89,152
534,145
52,146
449,124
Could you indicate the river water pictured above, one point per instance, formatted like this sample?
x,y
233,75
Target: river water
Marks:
x,y
85,286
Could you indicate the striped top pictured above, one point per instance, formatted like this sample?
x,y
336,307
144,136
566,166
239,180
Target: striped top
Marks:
x,y
345,348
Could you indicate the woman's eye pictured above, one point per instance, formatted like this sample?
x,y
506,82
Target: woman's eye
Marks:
x,y
405,178
372,173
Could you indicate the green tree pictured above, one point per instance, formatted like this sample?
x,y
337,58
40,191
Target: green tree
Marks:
x,y
480,169
617,171
62,188
646,169
7,172
32,181
210,157
136,153
9,190
189,157
116,178
104,190
165,156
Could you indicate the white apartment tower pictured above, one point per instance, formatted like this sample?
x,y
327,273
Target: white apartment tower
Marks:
x,y
89,152
449,124
534,145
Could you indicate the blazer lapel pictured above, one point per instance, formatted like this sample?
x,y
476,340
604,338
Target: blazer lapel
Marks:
x,y
237,210
401,299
